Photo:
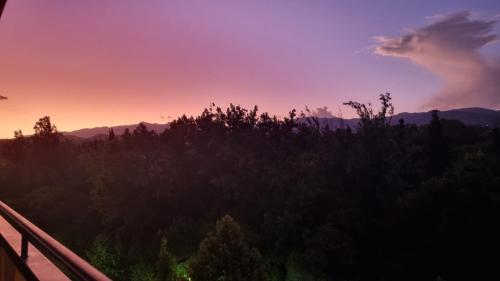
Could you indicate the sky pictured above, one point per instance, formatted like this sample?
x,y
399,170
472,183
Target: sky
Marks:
x,y
111,62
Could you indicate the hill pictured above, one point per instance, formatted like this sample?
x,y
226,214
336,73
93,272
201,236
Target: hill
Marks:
x,y
99,132
469,116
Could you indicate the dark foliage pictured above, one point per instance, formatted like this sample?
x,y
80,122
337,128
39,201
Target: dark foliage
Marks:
x,y
377,202
225,255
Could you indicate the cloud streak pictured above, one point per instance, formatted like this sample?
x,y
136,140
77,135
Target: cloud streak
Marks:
x,y
449,47
3,98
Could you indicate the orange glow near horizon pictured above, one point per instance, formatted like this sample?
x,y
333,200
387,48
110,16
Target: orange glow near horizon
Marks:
x,y
101,63
98,65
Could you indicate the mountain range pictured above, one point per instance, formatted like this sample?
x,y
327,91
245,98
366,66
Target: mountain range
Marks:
x,y
469,116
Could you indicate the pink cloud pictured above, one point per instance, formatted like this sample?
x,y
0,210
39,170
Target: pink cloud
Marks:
x,y
449,48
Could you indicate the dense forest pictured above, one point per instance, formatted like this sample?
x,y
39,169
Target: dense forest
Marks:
x,y
236,195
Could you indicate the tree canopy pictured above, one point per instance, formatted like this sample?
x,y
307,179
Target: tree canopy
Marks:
x,y
307,202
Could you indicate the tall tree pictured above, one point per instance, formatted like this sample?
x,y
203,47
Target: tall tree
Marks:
x,y
45,131
437,149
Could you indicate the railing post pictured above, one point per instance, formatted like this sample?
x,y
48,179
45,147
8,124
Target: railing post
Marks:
x,y
24,247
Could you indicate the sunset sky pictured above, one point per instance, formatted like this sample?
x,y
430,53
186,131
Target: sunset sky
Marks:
x,y
110,62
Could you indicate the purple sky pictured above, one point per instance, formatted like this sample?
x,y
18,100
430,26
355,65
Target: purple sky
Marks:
x,y
108,62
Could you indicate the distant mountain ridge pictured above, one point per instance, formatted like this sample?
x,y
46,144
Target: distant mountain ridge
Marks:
x,y
469,116
118,130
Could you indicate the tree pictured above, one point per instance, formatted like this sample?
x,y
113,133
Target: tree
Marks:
x,y
43,127
333,205
366,114
126,135
142,132
437,149
103,256
16,149
166,263
111,135
225,255
18,134
45,131
495,135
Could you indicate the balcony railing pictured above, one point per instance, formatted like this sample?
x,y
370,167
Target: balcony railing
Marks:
x,y
74,267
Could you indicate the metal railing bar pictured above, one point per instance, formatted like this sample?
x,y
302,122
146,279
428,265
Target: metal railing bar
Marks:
x,y
62,257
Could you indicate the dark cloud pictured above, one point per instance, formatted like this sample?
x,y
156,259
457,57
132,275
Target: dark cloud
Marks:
x,y
449,48
320,112
3,98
